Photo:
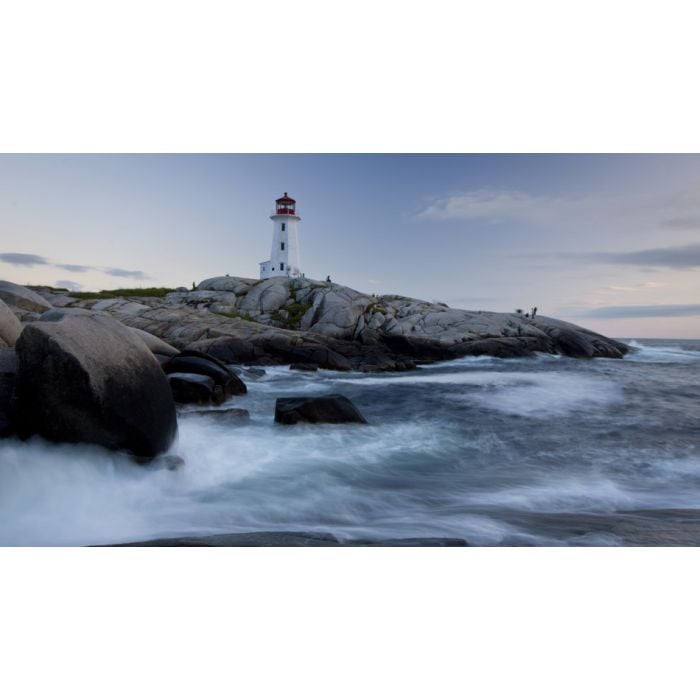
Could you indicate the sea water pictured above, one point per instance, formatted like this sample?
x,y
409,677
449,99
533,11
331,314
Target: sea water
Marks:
x,y
544,450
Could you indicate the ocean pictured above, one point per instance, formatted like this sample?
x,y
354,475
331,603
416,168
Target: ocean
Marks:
x,y
542,451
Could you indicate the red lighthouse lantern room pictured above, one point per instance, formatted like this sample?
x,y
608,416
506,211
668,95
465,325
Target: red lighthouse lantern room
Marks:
x,y
286,205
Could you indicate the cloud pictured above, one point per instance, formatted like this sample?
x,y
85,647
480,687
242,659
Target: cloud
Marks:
x,y
68,284
677,257
499,205
118,272
75,268
29,260
23,259
636,287
682,222
658,311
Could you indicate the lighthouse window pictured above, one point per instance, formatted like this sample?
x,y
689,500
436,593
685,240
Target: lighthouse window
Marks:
x,y
282,244
284,227
282,266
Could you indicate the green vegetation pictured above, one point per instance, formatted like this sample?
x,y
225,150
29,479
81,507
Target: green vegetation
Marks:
x,y
235,314
295,313
375,308
112,293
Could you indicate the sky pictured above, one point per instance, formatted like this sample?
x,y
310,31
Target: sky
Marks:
x,y
610,242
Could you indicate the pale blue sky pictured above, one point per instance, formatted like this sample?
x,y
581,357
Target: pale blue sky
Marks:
x,y
598,240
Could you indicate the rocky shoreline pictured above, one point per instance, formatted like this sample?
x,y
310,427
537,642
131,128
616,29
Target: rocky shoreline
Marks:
x,y
113,371
327,325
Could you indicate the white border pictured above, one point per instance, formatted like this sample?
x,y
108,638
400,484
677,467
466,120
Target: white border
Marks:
x,y
540,76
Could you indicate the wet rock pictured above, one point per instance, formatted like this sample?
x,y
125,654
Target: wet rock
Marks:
x,y
252,373
333,408
293,539
85,379
193,388
10,327
304,367
195,362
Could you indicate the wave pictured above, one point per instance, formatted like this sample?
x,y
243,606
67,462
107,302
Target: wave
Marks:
x,y
530,394
661,354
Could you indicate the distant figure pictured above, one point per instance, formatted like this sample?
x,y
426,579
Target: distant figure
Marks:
x,y
194,286
328,279
534,311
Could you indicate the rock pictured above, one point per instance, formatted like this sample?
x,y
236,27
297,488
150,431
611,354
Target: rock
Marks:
x,y
174,462
227,349
193,388
340,328
332,408
85,379
8,381
248,373
54,315
304,366
10,327
155,344
18,297
200,363
293,539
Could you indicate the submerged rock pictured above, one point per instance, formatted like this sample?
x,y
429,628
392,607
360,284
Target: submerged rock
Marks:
x,y
86,379
226,415
194,388
304,366
333,408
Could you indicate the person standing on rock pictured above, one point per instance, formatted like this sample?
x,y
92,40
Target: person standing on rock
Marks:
x,y
534,311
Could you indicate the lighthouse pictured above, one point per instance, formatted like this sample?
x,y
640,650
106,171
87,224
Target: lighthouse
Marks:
x,y
284,258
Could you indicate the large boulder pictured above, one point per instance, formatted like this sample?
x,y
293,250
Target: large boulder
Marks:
x,y
19,297
10,327
87,379
332,408
8,380
157,346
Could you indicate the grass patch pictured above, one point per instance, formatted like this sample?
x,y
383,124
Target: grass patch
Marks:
x,y
296,312
235,314
158,292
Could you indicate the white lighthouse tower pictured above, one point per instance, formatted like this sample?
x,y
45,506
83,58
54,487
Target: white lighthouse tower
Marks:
x,y
284,258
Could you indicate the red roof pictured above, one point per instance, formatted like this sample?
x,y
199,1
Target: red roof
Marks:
x,y
286,199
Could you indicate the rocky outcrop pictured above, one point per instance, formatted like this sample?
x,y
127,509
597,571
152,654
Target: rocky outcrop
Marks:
x,y
23,301
332,408
10,327
293,321
87,379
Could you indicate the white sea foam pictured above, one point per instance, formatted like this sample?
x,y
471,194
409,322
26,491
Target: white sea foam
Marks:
x,y
662,354
425,466
517,393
